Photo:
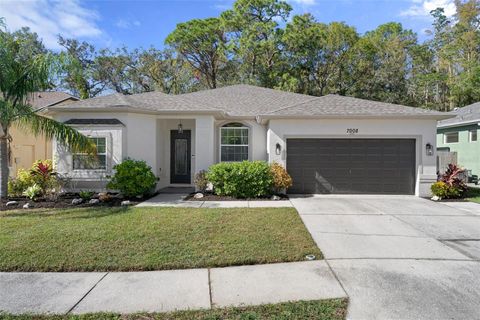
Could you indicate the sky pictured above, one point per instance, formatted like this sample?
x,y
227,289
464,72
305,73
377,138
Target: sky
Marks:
x,y
145,23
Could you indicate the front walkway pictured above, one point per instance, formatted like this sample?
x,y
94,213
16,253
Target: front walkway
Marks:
x,y
399,257
164,291
176,200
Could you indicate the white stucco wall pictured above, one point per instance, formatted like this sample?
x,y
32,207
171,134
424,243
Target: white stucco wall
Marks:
x,y
423,131
136,139
141,143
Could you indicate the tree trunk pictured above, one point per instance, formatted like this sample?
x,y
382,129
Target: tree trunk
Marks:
x,y
3,167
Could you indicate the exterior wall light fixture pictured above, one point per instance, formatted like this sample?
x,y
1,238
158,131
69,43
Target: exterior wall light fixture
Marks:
x,y
429,149
278,149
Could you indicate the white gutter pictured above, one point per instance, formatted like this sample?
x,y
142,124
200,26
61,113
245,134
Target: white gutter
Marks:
x,y
456,124
127,109
265,118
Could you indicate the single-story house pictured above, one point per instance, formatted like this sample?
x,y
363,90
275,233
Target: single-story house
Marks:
x,y
329,144
25,148
459,134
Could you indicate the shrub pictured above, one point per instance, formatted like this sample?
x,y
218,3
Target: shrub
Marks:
x,y
41,174
18,185
450,184
33,192
133,178
86,194
439,189
241,179
201,181
456,187
280,176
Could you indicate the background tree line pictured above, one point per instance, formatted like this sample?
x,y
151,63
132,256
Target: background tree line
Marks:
x,y
259,42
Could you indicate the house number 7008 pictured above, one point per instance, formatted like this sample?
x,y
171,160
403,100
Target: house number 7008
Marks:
x,y
352,130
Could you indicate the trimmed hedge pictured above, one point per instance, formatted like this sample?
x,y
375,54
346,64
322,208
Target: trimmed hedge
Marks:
x,y
247,179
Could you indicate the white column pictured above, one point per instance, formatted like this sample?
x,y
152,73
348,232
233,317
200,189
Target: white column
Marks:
x,y
204,142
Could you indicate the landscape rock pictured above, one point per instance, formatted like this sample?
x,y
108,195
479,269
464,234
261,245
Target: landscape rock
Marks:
x,y
275,197
436,198
198,195
125,203
310,257
77,201
94,201
104,197
11,203
27,205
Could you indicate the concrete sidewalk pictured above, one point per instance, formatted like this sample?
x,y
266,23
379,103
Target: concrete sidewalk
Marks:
x,y
164,291
176,200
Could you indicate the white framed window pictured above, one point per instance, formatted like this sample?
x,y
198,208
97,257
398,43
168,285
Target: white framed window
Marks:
x,y
450,137
472,135
234,142
83,161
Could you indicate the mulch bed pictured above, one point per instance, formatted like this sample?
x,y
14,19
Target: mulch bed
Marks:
x,y
214,197
62,202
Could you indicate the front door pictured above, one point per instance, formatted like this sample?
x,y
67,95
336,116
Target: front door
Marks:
x,y
180,155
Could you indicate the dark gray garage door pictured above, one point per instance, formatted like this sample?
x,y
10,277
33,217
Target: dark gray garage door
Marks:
x,y
384,166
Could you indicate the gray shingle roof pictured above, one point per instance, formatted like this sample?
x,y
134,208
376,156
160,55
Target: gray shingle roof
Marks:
x,y
336,105
111,100
42,99
245,100
467,114
252,101
160,101
149,101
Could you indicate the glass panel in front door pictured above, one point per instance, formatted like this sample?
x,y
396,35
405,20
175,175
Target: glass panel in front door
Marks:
x,y
181,157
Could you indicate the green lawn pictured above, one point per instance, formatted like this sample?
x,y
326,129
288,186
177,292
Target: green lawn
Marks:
x,y
124,239
335,309
473,194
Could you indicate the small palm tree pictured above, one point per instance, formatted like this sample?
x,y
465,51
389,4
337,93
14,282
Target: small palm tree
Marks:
x,y
20,75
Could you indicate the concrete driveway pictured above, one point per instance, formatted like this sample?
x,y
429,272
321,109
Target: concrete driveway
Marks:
x,y
399,257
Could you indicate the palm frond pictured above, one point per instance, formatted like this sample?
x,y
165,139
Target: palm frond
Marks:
x,y
29,121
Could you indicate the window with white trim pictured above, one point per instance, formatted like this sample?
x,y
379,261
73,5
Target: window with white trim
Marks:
x,y
233,142
450,137
472,135
83,161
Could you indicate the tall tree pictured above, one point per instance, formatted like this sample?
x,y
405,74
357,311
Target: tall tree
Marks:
x,y
254,37
79,68
202,43
139,70
466,87
21,75
317,56
164,71
119,71
381,63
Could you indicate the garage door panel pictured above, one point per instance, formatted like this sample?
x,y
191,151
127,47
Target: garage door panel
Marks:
x,y
351,165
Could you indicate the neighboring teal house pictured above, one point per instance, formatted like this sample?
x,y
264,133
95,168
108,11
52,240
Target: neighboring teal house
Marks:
x,y
460,134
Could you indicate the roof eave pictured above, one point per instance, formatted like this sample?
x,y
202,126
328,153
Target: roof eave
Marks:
x,y
264,118
458,124
127,109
